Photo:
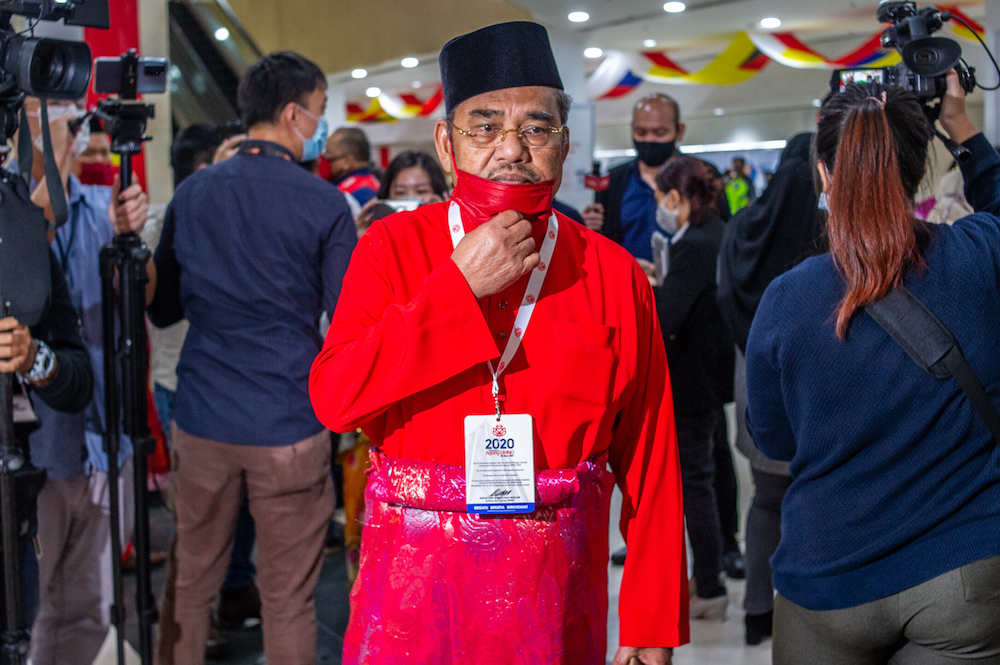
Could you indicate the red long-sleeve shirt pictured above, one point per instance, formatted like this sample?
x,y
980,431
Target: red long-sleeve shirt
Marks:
x,y
405,357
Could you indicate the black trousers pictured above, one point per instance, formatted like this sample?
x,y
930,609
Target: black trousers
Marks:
x,y
725,486
695,440
763,536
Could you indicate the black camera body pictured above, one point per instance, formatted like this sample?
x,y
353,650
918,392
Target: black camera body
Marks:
x,y
926,59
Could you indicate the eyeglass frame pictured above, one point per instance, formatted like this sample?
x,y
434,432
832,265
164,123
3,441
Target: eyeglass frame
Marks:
x,y
520,135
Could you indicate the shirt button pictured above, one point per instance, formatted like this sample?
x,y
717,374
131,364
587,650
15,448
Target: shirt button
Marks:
x,y
503,304
502,334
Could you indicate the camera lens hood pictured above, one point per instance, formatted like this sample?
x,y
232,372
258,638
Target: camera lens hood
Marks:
x,y
931,56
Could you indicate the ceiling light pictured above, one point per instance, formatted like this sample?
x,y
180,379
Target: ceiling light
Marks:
x,y
770,23
593,52
719,111
409,63
415,85
578,17
818,103
674,7
373,91
222,34
649,43
359,73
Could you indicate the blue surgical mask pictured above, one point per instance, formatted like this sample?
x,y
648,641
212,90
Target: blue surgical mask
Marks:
x,y
313,147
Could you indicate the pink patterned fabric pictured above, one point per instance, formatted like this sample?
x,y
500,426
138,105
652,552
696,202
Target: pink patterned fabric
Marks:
x,y
441,586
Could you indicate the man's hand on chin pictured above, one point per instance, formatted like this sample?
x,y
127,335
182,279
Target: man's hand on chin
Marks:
x,y
646,656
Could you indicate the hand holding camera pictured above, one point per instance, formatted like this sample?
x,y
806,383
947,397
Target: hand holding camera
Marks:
x,y
17,348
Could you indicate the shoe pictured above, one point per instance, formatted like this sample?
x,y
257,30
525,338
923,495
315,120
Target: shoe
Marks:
x,y
758,627
216,646
733,563
239,608
618,557
710,609
130,562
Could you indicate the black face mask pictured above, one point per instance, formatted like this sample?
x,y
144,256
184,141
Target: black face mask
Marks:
x,y
654,154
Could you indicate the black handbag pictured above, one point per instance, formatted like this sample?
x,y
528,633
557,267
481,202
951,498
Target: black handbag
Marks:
x,y
932,346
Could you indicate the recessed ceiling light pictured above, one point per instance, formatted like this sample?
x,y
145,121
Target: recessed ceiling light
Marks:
x,y
373,91
674,7
719,111
359,73
415,85
818,103
222,34
578,17
649,43
770,23
593,52
409,63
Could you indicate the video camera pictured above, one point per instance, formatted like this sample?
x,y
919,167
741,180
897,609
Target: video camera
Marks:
x,y
926,59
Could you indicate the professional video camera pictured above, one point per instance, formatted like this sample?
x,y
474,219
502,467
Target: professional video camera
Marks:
x,y
52,69
926,59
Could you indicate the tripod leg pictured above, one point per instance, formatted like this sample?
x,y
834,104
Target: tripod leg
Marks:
x,y
110,259
135,363
15,639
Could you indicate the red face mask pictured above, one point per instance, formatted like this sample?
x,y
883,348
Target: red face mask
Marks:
x,y
98,174
481,200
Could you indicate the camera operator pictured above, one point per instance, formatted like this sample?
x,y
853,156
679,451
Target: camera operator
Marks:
x,y
74,531
51,366
890,528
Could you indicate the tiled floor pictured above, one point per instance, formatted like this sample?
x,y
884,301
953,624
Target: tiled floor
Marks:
x,y
712,642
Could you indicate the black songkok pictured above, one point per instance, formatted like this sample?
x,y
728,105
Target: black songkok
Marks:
x,y
505,55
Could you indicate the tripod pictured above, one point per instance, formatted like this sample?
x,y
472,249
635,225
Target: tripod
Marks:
x,y
15,637
125,374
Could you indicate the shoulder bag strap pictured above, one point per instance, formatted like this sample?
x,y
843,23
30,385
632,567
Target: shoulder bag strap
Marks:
x,y
932,346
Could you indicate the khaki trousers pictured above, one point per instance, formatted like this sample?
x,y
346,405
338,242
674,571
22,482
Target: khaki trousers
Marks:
x,y
291,501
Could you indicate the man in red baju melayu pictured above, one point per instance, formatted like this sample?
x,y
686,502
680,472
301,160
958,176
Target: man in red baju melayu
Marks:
x,y
500,355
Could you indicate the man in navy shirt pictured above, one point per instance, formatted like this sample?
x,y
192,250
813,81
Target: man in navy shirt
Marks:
x,y
253,251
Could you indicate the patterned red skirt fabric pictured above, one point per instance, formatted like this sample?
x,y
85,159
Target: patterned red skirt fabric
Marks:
x,y
438,585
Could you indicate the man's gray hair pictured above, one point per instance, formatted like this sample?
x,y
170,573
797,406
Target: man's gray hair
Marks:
x,y
563,101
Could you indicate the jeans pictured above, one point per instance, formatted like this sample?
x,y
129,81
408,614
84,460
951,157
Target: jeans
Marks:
x,y
695,440
241,572
953,618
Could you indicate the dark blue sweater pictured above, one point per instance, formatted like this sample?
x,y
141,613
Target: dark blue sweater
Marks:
x,y
895,478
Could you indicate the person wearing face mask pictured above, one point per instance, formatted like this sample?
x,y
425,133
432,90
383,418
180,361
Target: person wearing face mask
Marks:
x,y
700,356
93,164
489,324
253,251
73,521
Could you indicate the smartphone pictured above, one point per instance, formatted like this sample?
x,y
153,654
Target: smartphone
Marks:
x,y
152,76
401,205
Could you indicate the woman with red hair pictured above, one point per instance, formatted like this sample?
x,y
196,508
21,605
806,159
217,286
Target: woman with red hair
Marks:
x,y
891,525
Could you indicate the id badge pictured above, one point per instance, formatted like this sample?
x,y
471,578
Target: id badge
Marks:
x,y
499,465
24,414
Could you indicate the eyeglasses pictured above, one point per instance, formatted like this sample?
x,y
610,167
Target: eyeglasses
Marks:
x,y
489,135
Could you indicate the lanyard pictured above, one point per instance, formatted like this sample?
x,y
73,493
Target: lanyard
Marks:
x,y
527,308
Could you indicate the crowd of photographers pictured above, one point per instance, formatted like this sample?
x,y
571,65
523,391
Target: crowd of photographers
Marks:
x,y
251,464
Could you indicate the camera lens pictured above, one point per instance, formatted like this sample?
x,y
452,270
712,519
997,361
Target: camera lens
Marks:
x,y
49,67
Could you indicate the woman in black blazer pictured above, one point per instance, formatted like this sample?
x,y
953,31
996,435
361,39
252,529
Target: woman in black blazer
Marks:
x,y
699,354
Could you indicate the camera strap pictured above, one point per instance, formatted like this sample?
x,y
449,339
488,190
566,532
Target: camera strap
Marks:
x,y
932,346
57,195
26,162
266,149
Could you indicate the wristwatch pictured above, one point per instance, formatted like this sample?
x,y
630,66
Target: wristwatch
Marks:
x,y
43,369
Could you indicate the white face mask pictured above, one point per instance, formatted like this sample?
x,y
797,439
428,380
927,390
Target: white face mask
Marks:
x,y
63,114
667,219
